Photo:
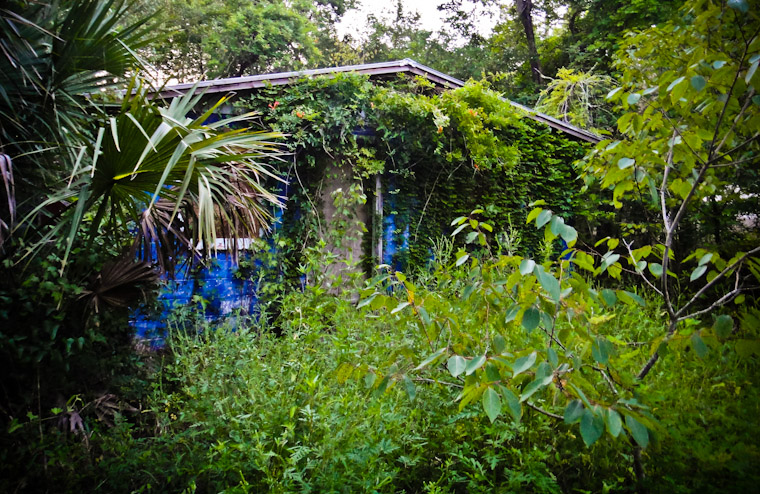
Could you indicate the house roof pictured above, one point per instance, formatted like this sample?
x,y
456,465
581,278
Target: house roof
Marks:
x,y
407,66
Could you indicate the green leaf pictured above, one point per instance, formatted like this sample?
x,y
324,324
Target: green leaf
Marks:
x,y
474,364
512,403
543,218
592,427
491,404
705,258
750,72
499,344
523,363
411,389
675,83
698,82
533,215
526,266
740,5
723,326
614,422
600,350
431,358
569,234
456,365
531,318
573,411
549,283
492,372
699,345
638,431
609,297
553,357
633,98
511,314
655,268
462,259
624,163
698,272
535,385
718,64
400,307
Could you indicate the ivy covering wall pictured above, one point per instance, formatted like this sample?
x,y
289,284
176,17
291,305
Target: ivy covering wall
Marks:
x,y
441,154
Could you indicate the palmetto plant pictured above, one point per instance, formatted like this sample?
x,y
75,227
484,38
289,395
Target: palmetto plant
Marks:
x,y
179,180
143,172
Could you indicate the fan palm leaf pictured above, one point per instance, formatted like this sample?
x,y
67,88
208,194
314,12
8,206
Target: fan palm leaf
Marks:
x,y
155,165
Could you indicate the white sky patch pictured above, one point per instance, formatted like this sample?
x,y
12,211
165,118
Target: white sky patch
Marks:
x,y
354,22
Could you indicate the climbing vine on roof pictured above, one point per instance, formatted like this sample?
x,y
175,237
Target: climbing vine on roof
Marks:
x,y
442,154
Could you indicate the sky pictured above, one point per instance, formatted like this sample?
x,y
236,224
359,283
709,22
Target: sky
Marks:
x,y
354,21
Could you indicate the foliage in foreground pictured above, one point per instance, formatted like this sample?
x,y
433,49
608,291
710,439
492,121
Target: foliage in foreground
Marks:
x,y
246,411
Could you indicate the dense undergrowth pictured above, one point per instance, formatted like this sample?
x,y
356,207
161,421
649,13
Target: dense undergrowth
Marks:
x,y
245,410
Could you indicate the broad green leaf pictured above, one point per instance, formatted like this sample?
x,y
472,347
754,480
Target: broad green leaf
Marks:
x,y
573,411
459,220
675,83
600,350
534,386
553,357
556,224
411,389
569,234
633,98
740,5
750,72
431,358
462,259
624,163
491,404
400,307
533,214
592,427
543,218
630,298
492,372
718,64
512,403
526,266
705,258
511,314
638,431
549,283
614,422
698,82
699,345
698,272
499,343
723,326
609,297
523,363
655,268
456,365
474,364
531,318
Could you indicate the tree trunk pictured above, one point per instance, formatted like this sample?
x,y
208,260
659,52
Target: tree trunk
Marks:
x,y
524,8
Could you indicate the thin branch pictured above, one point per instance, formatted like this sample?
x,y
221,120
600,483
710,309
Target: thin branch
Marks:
x,y
736,120
426,380
640,273
715,280
541,410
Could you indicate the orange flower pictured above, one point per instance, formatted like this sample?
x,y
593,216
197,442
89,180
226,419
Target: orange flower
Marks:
x,y
299,114
273,106
440,129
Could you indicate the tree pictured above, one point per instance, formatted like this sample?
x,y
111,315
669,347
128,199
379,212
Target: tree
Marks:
x,y
225,38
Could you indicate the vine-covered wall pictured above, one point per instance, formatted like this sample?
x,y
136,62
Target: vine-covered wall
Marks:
x,y
440,155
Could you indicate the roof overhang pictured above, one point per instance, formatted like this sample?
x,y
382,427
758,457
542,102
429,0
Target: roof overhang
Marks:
x,y
405,66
